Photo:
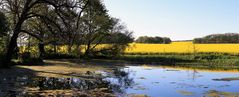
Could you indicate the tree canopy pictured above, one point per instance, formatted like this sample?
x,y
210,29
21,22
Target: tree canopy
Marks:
x,y
157,40
80,25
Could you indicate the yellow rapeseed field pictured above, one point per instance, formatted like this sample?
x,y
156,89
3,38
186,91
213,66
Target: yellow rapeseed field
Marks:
x,y
174,47
182,47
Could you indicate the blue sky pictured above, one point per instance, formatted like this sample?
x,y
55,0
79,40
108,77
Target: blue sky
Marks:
x,y
177,19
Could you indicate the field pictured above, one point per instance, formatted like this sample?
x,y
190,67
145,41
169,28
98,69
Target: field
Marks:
x,y
174,48
182,47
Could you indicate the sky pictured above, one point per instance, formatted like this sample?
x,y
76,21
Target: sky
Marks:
x,y
177,19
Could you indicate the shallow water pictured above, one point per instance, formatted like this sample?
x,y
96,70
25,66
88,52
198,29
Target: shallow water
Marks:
x,y
127,81
173,82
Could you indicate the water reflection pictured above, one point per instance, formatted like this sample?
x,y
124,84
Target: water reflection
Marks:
x,y
35,85
126,81
121,80
176,82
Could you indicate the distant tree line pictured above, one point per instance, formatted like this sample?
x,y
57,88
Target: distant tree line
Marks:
x,y
219,38
157,40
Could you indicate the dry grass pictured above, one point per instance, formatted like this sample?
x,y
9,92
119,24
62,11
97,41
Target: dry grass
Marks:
x,y
67,68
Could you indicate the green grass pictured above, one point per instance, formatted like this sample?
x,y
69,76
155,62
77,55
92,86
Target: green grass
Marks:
x,y
202,60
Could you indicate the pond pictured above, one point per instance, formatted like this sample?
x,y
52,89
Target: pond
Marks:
x,y
176,82
152,81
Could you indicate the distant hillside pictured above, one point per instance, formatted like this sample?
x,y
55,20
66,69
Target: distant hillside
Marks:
x,y
218,38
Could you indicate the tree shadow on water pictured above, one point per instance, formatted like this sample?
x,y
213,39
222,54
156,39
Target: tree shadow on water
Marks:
x,y
19,81
12,80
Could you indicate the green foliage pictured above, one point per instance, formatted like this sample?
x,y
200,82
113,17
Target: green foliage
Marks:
x,y
202,60
211,56
2,44
219,38
103,29
118,38
3,34
114,51
158,59
160,40
3,25
119,34
26,56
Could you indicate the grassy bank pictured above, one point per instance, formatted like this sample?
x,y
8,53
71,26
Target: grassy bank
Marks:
x,y
202,60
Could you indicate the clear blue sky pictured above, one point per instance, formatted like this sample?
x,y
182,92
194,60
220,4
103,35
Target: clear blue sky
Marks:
x,y
177,19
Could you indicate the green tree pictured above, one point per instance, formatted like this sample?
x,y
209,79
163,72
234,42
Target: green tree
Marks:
x,y
3,35
219,38
119,37
3,32
99,28
158,40
21,11
96,24
3,25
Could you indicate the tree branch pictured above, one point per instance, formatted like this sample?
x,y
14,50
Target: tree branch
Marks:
x,y
33,35
79,15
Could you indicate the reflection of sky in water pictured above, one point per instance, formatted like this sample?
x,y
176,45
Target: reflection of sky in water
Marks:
x,y
165,82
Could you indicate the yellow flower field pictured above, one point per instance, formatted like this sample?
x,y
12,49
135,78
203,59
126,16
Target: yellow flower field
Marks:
x,y
182,47
174,47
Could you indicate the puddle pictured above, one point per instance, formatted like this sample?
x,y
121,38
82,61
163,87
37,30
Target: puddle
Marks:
x,y
174,82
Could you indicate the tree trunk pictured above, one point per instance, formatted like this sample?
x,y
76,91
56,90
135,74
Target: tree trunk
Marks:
x,y
78,50
87,51
10,51
41,47
54,48
69,48
12,45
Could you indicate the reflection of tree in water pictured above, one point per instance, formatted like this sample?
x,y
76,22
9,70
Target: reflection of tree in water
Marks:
x,y
120,82
193,74
67,83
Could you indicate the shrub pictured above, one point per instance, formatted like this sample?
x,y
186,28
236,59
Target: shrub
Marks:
x,y
27,59
211,56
